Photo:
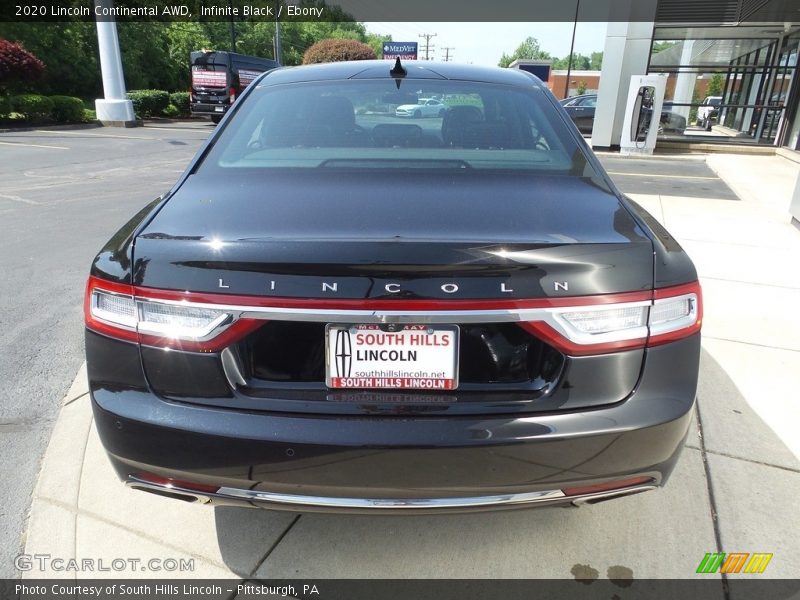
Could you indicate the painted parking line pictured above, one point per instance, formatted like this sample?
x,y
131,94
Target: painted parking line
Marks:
x,y
33,145
100,135
662,175
199,129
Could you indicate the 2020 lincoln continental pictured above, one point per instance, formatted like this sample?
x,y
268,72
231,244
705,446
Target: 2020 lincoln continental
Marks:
x,y
335,308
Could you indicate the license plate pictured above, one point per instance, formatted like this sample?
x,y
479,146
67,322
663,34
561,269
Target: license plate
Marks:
x,y
219,109
405,357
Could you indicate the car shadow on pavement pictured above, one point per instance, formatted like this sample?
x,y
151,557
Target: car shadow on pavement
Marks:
x,y
729,443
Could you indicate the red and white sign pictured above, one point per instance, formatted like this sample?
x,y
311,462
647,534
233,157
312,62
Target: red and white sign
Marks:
x,y
406,357
208,78
246,77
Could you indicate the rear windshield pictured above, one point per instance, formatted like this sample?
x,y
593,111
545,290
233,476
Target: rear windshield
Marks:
x,y
426,124
209,69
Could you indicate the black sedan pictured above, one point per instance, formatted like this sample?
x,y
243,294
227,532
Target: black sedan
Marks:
x,y
337,309
581,110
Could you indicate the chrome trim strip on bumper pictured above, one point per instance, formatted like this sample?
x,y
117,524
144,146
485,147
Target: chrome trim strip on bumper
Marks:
x,y
497,500
551,316
402,503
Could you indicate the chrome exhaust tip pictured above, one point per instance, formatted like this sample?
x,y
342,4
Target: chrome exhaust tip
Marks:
x,y
173,494
610,495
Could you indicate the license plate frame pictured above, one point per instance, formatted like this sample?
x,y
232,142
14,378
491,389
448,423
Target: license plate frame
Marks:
x,y
430,363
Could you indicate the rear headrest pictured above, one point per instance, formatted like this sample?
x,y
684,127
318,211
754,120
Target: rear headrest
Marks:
x,y
335,112
456,121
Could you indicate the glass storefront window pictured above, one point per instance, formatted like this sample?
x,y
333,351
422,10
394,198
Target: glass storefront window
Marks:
x,y
728,89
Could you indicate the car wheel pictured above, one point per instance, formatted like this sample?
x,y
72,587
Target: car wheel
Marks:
x,y
216,118
707,124
417,114
441,112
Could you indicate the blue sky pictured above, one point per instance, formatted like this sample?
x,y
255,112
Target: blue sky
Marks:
x,y
484,43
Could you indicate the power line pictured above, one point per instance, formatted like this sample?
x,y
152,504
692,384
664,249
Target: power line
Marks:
x,y
428,46
447,52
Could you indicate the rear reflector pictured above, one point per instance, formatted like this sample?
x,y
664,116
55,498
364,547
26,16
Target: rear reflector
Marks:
x,y
606,487
176,483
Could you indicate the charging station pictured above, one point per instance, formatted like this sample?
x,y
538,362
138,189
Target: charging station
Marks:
x,y
642,114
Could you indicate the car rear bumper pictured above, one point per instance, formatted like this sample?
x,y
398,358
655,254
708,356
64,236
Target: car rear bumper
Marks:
x,y
208,110
338,463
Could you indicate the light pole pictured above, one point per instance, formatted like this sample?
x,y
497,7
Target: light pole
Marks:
x,y
278,49
571,48
114,108
232,27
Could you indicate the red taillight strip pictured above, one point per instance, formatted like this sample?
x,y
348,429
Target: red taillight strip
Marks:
x,y
533,315
547,334
389,304
231,335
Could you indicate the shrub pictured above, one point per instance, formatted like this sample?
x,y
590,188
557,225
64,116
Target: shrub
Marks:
x,y
32,106
5,107
17,64
89,115
67,109
172,111
147,103
180,100
333,50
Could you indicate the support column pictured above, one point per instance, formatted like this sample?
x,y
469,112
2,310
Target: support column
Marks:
x,y
115,109
626,53
685,84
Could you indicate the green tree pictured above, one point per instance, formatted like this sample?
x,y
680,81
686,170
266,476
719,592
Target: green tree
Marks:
x,y
579,62
529,49
596,61
69,49
715,85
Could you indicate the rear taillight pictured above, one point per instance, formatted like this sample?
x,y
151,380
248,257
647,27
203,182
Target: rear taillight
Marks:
x,y
232,94
577,326
115,309
672,313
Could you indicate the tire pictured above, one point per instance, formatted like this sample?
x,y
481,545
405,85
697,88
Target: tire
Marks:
x,y
216,119
417,114
441,112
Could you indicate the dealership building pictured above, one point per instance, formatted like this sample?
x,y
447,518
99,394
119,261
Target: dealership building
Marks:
x,y
738,55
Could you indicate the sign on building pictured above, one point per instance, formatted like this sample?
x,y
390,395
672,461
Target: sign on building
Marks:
x,y
401,50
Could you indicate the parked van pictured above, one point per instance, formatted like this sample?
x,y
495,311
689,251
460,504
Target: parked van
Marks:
x,y
217,77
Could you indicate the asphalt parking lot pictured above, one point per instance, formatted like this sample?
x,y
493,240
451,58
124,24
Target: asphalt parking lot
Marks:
x,y
62,193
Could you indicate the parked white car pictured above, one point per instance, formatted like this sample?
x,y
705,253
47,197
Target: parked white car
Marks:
x,y
425,107
708,111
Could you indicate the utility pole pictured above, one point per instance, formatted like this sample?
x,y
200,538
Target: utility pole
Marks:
x,y
447,53
232,27
278,49
428,46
